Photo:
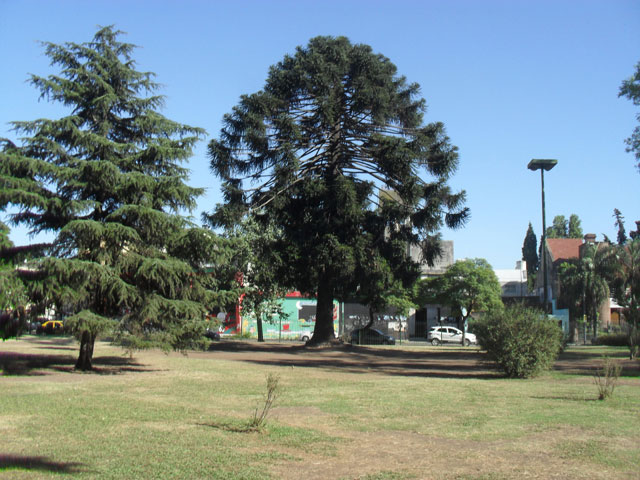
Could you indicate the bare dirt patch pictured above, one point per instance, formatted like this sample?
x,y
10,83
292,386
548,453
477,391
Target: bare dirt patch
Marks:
x,y
414,456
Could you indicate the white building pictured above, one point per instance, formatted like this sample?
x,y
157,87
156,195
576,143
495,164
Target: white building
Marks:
x,y
514,281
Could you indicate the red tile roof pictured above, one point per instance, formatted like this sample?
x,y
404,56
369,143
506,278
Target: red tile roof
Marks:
x,y
564,248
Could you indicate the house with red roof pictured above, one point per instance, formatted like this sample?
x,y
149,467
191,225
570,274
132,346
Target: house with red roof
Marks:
x,y
558,251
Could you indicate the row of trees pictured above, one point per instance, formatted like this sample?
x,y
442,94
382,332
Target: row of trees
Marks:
x,y
301,161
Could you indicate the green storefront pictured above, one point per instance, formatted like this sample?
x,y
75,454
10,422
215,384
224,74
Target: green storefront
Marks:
x,y
298,319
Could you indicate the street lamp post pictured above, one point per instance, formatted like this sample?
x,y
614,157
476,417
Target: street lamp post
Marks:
x,y
543,164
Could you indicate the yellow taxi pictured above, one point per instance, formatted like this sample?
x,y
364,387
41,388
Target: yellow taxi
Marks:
x,y
50,327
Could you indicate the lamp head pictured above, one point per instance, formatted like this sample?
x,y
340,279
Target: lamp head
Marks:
x,y
542,163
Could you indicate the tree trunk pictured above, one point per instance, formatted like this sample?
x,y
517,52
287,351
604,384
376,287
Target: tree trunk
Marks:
x,y
634,340
464,330
573,329
372,316
323,331
259,325
87,341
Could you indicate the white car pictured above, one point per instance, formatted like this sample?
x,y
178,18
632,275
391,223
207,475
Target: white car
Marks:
x,y
306,336
438,335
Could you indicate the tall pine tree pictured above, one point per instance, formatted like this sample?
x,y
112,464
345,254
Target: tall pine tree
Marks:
x,y
107,181
309,153
530,251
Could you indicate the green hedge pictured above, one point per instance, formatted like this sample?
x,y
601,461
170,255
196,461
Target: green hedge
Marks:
x,y
520,340
612,340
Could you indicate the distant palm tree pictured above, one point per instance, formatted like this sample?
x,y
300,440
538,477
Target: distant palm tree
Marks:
x,y
584,283
625,287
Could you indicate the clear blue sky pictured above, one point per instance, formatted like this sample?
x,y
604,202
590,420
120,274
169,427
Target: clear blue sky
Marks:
x,y
512,80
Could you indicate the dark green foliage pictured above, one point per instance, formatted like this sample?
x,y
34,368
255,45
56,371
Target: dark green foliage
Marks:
x,y
530,253
584,282
470,284
309,153
563,228
13,296
558,228
624,280
107,180
520,340
619,223
575,227
5,241
252,258
630,88
612,340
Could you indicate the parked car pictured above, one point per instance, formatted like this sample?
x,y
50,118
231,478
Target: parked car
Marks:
x,y
212,334
306,336
438,335
371,336
50,327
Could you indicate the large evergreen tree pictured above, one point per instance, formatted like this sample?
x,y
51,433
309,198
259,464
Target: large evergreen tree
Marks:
x,y
333,124
630,88
107,181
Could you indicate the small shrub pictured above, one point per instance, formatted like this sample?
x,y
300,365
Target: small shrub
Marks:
x,y
520,340
260,414
607,378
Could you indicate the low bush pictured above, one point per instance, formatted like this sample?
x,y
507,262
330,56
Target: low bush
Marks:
x,y
520,340
612,340
607,378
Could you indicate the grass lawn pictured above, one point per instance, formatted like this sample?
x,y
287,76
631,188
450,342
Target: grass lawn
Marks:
x,y
402,412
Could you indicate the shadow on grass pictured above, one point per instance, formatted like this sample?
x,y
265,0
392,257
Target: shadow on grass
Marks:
x,y
586,361
51,347
38,364
434,363
233,427
569,398
19,462
32,364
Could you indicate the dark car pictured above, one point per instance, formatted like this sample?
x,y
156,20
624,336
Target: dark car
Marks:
x,y
371,336
212,334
